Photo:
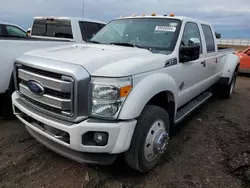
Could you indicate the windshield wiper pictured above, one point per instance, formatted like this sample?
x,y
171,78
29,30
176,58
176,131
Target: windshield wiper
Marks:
x,y
125,44
93,41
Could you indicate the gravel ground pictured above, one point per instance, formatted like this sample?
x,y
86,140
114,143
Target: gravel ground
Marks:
x,y
209,149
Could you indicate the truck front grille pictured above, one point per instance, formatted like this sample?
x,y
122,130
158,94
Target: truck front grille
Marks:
x,y
58,90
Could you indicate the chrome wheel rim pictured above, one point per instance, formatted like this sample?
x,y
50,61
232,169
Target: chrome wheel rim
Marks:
x,y
156,141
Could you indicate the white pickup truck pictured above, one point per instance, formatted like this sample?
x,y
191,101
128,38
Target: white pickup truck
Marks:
x,y
122,94
46,32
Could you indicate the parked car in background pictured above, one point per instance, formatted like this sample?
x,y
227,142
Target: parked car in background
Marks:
x,y
45,32
244,60
122,94
72,28
11,30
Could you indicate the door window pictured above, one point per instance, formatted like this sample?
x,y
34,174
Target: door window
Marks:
x,y
208,38
191,30
89,29
101,25
14,31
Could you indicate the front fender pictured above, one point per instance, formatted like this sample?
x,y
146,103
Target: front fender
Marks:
x,y
143,91
231,62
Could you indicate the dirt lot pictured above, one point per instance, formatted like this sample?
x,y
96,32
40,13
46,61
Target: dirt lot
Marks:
x,y
209,149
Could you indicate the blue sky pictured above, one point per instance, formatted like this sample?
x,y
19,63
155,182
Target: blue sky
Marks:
x,y
229,17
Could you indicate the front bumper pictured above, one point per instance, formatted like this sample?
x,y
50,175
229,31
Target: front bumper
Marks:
x,y
120,133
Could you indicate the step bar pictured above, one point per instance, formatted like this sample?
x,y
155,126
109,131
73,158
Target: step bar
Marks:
x,y
191,106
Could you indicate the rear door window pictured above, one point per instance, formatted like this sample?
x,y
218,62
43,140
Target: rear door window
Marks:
x,y
89,29
209,38
52,28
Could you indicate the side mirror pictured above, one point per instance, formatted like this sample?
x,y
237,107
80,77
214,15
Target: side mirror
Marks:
x,y
248,52
194,42
190,52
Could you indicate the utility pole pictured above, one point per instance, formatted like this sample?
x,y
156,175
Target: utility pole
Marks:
x,y
82,8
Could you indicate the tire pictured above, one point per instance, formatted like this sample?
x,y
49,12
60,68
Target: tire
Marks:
x,y
5,100
227,91
6,106
152,125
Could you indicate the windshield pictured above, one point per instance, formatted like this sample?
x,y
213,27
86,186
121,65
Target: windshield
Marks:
x,y
155,34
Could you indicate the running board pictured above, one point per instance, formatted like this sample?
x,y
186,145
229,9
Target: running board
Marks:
x,y
191,106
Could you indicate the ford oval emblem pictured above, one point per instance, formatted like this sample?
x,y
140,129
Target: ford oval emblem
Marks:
x,y
35,87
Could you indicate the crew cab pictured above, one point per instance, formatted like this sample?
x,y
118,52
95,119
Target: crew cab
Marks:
x,y
46,32
244,60
123,91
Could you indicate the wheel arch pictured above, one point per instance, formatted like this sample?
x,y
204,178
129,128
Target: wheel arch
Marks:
x,y
231,65
159,90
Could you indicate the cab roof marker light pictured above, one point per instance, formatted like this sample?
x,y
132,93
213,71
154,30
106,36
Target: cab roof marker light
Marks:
x,y
143,14
153,14
171,15
133,15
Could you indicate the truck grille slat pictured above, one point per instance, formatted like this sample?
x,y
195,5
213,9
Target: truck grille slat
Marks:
x,y
52,101
58,90
47,82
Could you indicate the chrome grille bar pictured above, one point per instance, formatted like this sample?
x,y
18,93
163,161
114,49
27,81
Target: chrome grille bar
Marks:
x,y
58,96
62,104
51,83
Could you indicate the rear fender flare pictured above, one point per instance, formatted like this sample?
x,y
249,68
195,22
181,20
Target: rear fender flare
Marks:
x,y
230,66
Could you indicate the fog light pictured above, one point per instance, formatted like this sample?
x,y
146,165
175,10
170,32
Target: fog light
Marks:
x,y
101,138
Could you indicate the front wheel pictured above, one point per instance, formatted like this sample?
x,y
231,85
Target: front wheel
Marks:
x,y
150,139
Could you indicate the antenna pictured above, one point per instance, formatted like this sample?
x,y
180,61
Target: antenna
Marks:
x,y
82,8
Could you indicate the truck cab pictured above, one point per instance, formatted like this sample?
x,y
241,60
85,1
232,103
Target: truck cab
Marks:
x,y
124,90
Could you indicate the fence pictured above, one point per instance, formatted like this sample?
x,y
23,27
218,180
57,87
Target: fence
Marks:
x,y
234,42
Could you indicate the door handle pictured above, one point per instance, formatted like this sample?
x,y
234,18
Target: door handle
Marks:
x,y
203,63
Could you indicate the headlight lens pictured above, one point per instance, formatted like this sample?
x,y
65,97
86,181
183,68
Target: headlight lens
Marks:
x,y
108,95
101,91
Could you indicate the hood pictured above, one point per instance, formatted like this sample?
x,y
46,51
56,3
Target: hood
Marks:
x,y
105,60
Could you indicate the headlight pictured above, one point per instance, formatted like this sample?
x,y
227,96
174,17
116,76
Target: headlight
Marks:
x,y
108,95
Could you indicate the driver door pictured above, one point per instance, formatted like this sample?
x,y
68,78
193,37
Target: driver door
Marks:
x,y
192,72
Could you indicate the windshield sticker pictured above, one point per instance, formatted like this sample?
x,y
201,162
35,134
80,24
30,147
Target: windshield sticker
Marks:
x,y
165,28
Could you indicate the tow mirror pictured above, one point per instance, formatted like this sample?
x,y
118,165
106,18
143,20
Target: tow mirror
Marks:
x,y
190,52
